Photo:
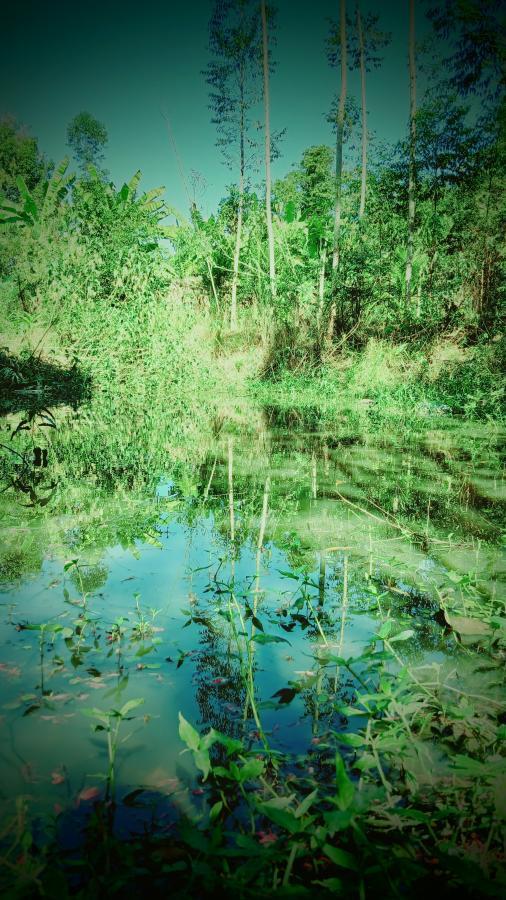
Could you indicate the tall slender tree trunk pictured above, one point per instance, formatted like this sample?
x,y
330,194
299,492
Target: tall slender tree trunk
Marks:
x,y
363,179
412,151
339,163
268,207
238,233
321,279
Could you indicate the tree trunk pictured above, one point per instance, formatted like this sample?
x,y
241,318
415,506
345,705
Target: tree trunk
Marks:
x,y
363,180
339,137
268,208
238,233
412,148
320,324
321,279
339,166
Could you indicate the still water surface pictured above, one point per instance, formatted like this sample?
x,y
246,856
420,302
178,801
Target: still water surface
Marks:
x,y
140,578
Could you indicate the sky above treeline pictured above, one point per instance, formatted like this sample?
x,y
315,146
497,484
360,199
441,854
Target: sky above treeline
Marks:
x,y
127,62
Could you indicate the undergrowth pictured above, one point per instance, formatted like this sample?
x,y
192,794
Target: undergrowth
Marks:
x,y
397,380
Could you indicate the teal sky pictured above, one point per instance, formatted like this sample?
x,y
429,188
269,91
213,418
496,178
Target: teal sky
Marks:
x,y
124,62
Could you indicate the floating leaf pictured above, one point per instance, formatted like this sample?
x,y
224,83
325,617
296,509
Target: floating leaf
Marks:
x,y
269,639
286,695
288,574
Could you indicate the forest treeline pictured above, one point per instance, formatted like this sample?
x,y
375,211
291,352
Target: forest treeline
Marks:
x,y
360,241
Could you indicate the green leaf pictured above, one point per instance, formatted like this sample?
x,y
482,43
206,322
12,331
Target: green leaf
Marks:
x,y
330,884
231,745
215,810
337,820
269,639
304,806
130,705
143,651
402,636
469,765
282,817
133,184
153,194
202,761
345,787
94,713
455,577
290,211
22,188
252,768
385,629
351,740
351,711
187,733
340,857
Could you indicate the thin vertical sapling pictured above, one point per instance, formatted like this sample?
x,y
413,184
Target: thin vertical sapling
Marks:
x,y
232,77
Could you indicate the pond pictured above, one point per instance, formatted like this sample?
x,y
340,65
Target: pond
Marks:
x,y
229,578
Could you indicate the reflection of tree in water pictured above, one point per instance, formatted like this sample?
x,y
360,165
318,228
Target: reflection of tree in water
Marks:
x,y
89,579
220,691
19,558
330,689
24,467
30,383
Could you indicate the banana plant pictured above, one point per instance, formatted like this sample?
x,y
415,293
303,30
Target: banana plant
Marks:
x,y
150,202
32,210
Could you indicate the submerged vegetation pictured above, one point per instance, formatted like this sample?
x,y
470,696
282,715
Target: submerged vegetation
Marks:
x,y
252,488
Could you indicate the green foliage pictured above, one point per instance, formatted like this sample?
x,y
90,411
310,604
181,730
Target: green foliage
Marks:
x,y
87,138
19,157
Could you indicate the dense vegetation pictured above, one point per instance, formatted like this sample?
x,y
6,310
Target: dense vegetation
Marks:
x,y
129,296
363,289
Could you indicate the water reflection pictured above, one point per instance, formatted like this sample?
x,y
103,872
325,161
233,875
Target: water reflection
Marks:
x,y
215,576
